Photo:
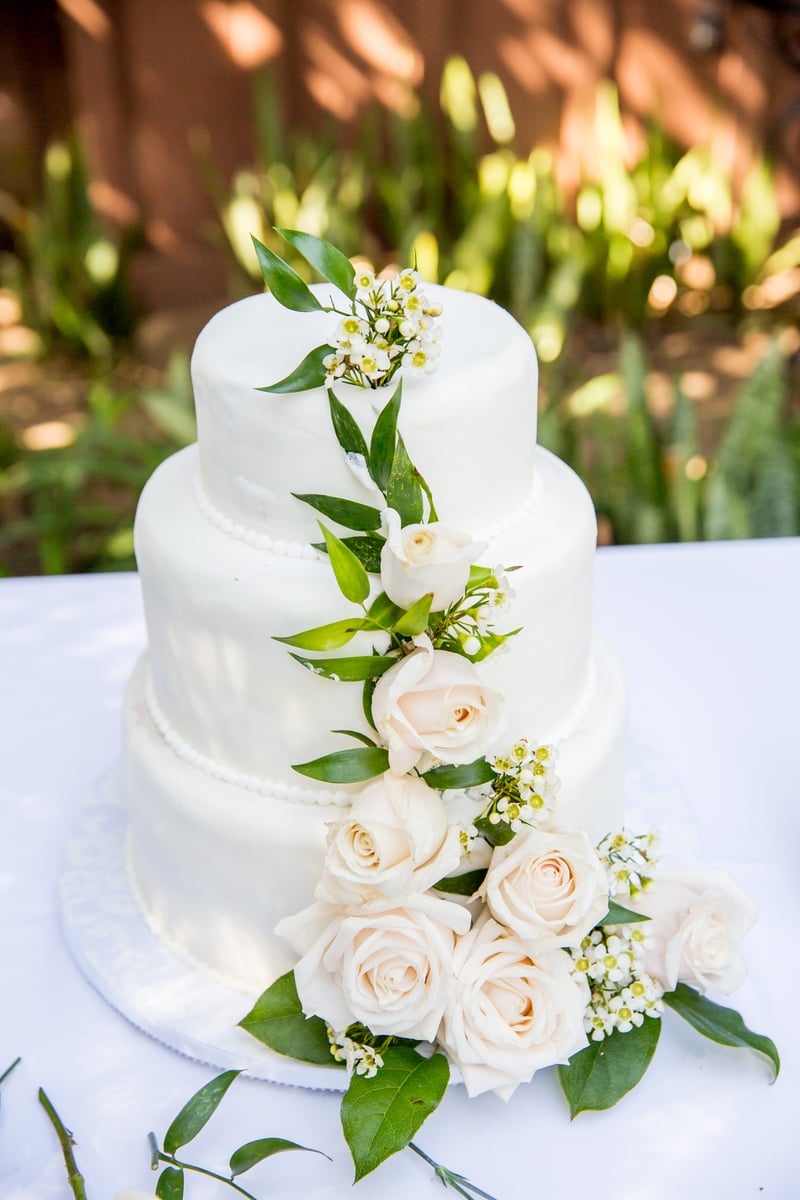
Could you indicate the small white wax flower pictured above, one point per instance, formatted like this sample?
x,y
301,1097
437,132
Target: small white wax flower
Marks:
x,y
408,279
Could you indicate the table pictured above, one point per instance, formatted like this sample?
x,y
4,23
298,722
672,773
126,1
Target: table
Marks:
x,y
709,640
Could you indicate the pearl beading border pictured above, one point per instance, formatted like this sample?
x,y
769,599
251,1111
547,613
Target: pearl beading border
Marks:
x,y
289,549
293,793
575,719
251,537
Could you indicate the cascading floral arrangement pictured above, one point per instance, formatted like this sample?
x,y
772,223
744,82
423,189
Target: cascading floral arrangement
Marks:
x,y
458,922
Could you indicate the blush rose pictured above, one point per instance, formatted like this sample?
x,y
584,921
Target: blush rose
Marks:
x,y
433,703
419,560
548,888
393,841
511,1012
698,918
389,967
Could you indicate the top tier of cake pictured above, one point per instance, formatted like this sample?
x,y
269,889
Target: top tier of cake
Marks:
x,y
470,427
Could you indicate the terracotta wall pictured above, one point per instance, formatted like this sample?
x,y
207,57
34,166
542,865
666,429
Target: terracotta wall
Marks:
x,y
155,83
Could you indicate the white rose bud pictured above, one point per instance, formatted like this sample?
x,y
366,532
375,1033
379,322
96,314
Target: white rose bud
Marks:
x,y
422,559
394,840
511,1012
548,888
697,920
388,967
434,703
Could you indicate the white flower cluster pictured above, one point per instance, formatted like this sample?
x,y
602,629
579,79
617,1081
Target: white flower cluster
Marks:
x,y
392,325
629,860
526,786
468,624
622,992
358,1057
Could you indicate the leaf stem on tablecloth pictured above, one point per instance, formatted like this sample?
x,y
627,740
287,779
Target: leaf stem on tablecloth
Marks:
x,y
8,1070
184,1166
76,1180
450,1178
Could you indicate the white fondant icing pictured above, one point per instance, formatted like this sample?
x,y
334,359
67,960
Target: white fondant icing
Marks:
x,y
470,427
224,839
253,783
216,865
230,692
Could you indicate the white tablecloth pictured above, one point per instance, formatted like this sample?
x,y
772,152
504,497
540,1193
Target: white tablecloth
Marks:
x,y
709,640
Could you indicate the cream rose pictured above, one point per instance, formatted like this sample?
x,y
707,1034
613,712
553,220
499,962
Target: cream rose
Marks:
x,y
422,559
510,1012
388,967
697,920
548,888
394,840
434,703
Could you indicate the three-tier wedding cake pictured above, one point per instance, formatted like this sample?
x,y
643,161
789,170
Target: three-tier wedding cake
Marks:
x,y
225,838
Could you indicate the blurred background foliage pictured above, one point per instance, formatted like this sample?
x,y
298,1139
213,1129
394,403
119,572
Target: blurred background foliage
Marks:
x,y
663,307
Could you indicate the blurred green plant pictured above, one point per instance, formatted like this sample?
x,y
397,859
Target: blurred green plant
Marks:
x,y
650,479
639,250
68,274
452,192
70,508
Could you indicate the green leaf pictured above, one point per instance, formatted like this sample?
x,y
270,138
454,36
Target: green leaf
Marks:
x,y
351,577
601,1074
463,775
309,374
252,1153
345,512
479,576
722,1025
618,915
384,612
366,549
348,434
195,1112
402,490
327,637
462,885
170,1184
285,284
354,733
277,1019
432,515
367,666
495,835
384,439
330,262
415,620
366,701
381,1115
346,766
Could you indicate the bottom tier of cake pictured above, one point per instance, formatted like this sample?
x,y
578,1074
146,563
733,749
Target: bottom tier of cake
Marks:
x,y
214,866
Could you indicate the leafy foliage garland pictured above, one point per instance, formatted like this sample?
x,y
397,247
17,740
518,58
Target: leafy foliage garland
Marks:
x,y
379,1119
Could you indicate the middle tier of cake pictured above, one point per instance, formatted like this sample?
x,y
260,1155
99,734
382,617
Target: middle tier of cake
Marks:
x,y
229,698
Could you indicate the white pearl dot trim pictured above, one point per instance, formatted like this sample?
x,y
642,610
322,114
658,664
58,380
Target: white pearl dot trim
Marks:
x,y
294,793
